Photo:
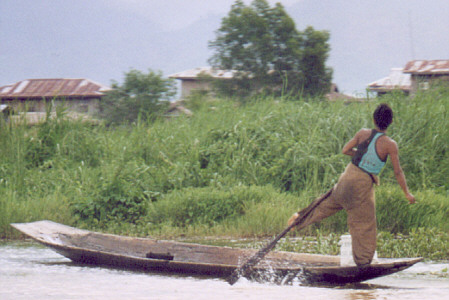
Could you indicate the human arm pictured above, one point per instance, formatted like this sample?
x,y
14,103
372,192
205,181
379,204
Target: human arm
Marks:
x,y
349,148
400,177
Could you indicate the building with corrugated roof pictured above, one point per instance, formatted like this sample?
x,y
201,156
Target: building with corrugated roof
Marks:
x,y
198,79
396,80
79,95
424,73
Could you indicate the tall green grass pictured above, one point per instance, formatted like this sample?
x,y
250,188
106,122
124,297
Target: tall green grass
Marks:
x,y
233,168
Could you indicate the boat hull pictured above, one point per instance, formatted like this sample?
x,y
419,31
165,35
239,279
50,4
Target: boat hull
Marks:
x,y
151,255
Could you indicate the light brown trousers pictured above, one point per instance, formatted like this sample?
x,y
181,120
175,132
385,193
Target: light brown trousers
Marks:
x,y
354,192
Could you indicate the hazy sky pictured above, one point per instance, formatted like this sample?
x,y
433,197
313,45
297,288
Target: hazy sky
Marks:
x,y
103,39
175,14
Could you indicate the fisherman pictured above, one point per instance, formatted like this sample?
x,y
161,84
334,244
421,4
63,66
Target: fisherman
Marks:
x,y
354,191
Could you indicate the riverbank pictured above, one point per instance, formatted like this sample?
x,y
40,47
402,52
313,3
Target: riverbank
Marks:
x,y
232,169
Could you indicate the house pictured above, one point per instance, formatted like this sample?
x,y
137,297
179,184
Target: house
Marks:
x,y
396,80
198,79
426,72
78,95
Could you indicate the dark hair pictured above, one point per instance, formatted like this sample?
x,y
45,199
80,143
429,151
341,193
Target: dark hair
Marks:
x,y
383,116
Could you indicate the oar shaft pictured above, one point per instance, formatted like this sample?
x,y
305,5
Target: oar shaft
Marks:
x,y
254,260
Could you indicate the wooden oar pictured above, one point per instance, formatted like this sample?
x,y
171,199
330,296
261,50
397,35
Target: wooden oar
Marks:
x,y
245,269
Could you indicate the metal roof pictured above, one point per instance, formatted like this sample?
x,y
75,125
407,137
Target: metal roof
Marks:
x,y
203,71
395,80
428,67
48,88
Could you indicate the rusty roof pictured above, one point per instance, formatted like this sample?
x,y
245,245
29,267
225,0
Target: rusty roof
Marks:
x,y
428,67
49,88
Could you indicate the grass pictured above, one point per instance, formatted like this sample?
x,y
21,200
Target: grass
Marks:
x,y
232,169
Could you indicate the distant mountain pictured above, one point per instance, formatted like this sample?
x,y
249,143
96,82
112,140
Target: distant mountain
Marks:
x,y
66,39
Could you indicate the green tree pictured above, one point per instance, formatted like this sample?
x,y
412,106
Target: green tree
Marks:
x,y
144,96
268,53
315,53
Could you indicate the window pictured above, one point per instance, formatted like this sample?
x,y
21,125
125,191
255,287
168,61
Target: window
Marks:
x,y
424,85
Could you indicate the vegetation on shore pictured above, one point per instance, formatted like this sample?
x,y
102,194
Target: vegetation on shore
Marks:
x,y
233,169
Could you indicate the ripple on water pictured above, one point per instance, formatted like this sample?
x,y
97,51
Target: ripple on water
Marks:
x,y
30,271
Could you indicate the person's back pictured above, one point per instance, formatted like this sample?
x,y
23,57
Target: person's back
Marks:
x,y
385,146
354,192
366,156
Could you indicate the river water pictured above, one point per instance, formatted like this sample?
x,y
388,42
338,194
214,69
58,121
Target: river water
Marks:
x,y
31,271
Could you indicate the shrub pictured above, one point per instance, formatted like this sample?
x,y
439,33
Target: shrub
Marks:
x,y
197,206
117,197
395,214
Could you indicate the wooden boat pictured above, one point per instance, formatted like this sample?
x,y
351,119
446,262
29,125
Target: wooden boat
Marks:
x,y
144,254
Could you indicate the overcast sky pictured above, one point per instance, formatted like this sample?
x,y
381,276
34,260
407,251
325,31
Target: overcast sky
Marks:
x,y
103,39
175,14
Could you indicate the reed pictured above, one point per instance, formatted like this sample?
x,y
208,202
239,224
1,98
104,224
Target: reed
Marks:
x,y
234,168
421,242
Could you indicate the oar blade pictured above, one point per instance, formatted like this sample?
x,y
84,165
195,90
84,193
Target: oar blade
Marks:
x,y
246,268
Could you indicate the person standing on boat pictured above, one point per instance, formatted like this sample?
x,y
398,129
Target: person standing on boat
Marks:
x,y
354,191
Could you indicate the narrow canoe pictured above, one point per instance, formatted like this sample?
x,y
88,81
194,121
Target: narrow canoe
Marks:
x,y
146,254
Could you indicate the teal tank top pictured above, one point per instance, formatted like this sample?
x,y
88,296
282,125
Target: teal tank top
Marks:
x,y
366,157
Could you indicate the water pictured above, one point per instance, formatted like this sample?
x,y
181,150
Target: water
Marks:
x,y
30,271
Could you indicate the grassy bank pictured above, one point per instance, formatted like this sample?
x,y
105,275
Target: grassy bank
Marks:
x,y
232,169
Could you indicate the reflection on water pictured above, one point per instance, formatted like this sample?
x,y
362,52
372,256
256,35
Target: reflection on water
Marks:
x,y
30,271
363,295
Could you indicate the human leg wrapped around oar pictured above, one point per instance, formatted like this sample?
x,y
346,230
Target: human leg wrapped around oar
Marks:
x,y
354,192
